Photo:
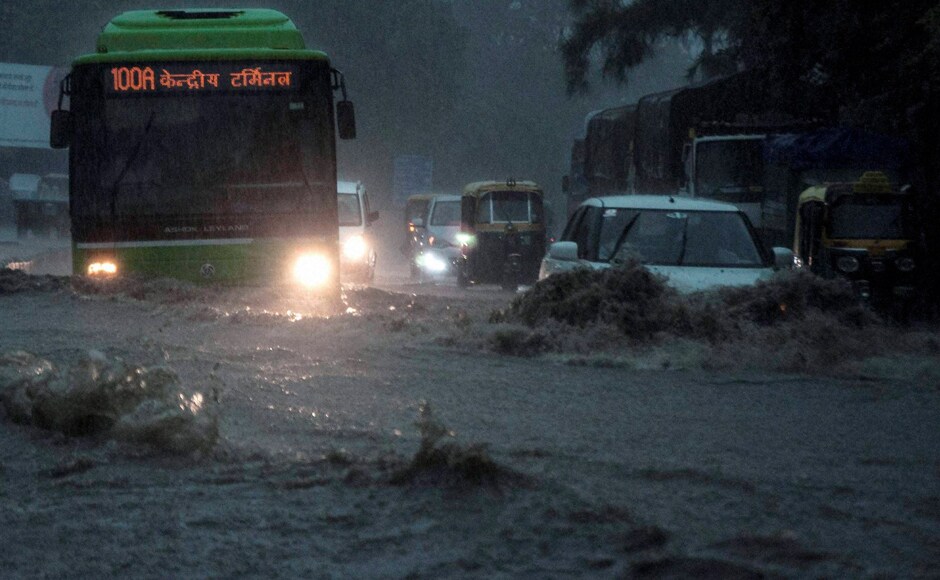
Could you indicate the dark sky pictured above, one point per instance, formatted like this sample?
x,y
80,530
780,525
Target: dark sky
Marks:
x,y
475,84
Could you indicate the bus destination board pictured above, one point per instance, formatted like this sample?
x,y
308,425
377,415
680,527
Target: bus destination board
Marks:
x,y
195,78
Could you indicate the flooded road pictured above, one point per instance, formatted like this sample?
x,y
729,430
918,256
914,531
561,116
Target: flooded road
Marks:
x,y
539,466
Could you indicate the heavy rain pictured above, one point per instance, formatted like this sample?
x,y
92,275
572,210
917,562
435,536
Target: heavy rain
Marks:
x,y
469,289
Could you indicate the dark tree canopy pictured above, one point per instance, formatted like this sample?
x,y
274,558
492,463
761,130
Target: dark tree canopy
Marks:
x,y
874,60
875,64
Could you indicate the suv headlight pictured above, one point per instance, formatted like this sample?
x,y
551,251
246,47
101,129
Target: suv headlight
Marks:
x,y
355,248
904,264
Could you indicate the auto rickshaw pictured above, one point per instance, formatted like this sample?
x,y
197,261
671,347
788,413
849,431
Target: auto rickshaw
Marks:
x,y
502,233
862,231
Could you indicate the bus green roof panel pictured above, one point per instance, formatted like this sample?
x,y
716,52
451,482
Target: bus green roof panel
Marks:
x,y
199,29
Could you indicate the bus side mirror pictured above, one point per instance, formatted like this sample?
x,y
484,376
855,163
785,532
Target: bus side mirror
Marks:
x,y
346,119
60,129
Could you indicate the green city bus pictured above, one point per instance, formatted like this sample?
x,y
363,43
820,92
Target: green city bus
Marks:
x,y
202,148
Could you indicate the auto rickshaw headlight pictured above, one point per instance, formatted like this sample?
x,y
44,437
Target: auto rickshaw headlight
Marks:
x,y
904,264
847,264
464,239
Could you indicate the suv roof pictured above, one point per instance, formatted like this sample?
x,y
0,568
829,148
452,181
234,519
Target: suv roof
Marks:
x,y
664,202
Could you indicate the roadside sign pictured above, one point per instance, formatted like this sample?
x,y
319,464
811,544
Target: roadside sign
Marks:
x,y
28,95
413,174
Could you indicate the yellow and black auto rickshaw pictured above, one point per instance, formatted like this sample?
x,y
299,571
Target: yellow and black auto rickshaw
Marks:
x,y
502,233
862,231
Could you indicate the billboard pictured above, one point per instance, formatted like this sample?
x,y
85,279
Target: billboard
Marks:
x,y
28,95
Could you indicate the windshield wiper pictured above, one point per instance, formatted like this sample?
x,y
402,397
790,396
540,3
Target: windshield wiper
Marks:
x,y
685,240
623,236
127,166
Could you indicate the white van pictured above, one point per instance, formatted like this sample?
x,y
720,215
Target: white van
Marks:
x,y
357,242
440,228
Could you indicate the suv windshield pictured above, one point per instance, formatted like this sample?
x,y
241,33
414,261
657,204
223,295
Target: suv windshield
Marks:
x,y
446,213
686,238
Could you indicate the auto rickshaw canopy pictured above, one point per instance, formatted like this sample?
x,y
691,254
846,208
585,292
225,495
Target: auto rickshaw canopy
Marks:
x,y
480,188
871,182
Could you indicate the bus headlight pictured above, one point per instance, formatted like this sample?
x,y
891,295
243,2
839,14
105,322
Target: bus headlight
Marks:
x,y
313,270
847,264
102,269
355,248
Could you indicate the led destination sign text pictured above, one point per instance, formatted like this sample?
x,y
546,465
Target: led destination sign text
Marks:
x,y
142,79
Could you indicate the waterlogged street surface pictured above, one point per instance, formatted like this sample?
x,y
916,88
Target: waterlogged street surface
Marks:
x,y
391,439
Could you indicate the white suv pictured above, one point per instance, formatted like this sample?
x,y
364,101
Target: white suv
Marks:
x,y
357,242
695,244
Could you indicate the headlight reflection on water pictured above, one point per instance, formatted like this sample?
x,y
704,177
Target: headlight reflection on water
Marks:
x,y
193,404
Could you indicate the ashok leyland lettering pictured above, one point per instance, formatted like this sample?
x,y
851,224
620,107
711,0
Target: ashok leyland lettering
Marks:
x,y
202,148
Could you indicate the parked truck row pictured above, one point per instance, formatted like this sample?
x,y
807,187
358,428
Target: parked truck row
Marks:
x,y
721,140
803,181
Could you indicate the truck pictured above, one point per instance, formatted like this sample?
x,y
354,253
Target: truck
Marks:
x,y
704,140
602,160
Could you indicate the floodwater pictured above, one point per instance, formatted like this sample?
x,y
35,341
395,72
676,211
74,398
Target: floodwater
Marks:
x,y
390,440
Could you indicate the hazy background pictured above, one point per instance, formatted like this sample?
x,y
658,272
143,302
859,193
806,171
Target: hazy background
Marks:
x,y
477,85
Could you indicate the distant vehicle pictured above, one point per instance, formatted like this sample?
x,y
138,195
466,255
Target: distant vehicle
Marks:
x,y
503,230
704,140
356,237
203,147
41,204
417,208
862,231
602,160
695,244
442,234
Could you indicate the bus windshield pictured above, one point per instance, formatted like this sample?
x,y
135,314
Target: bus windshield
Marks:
x,y
206,154
209,153
730,170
